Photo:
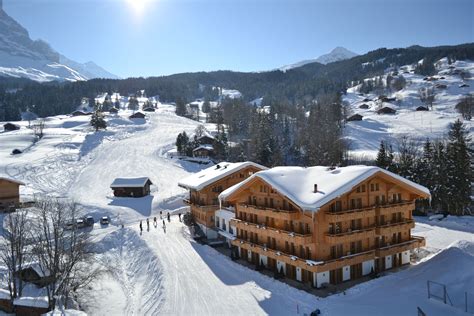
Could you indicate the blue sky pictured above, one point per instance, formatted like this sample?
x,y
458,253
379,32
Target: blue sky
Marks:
x,y
173,36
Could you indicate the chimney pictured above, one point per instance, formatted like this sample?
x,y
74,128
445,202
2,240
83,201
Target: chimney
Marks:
x,y
315,188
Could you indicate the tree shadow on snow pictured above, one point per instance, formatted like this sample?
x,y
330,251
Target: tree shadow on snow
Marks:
x,y
141,205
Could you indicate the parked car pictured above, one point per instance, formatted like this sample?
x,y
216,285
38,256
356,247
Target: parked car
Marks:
x,y
89,221
80,223
104,220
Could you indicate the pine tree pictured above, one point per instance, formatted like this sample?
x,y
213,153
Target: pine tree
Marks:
x,y
382,160
459,171
97,121
180,107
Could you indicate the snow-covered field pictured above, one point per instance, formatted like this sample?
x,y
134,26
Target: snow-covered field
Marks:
x,y
365,136
165,272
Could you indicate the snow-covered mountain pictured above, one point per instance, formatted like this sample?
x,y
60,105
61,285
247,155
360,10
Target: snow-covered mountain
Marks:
x,y
20,56
337,54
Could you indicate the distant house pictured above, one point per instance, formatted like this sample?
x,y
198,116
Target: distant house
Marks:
x,y
203,151
80,113
355,117
9,192
137,115
205,140
386,110
10,127
113,110
366,100
131,187
149,109
422,108
364,106
464,85
34,273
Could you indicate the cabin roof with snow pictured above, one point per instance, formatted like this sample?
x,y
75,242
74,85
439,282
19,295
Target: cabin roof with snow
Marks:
x,y
80,113
130,182
204,147
364,106
297,183
12,180
203,178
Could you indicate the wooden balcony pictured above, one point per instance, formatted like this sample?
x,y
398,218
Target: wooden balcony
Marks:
x,y
348,260
350,235
310,265
349,215
391,228
270,212
265,231
414,243
388,209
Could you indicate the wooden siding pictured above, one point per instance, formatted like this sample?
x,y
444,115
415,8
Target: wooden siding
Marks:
x,y
373,219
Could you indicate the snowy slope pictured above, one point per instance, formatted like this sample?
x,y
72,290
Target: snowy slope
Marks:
x,y
160,272
365,136
20,56
337,54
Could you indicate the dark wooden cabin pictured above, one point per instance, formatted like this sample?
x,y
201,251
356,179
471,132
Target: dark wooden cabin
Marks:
x,y
422,108
10,127
131,187
137,115
386,110
355,117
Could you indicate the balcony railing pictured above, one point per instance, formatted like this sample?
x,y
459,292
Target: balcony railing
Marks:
x,y
307,264
274,232
393,227
269,211
351,214
387,209
350,235
415,242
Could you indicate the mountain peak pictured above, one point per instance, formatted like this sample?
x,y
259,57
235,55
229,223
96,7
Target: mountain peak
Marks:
x,y
20,56
337,54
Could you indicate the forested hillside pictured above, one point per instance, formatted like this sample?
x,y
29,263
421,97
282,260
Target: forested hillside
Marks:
x,y
296,86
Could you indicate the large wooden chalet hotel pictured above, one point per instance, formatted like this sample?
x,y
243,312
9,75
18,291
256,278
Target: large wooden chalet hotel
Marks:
x,y
316,225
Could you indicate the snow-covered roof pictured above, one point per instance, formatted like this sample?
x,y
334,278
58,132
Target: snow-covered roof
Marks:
x,y
40,301
206,147
11,180
4,294
297,183
203,178
130,182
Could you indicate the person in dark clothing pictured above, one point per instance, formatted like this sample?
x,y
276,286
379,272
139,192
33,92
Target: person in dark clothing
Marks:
x,y
169,217
161,212
179,215
164,224
148,224
154,221
141,227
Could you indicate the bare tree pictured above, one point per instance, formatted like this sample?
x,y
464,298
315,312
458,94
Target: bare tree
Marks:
x,y
63,254
466,106
38,128
427,96
13,252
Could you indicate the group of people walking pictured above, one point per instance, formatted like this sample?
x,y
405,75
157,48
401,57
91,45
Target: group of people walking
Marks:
x,y
155,223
